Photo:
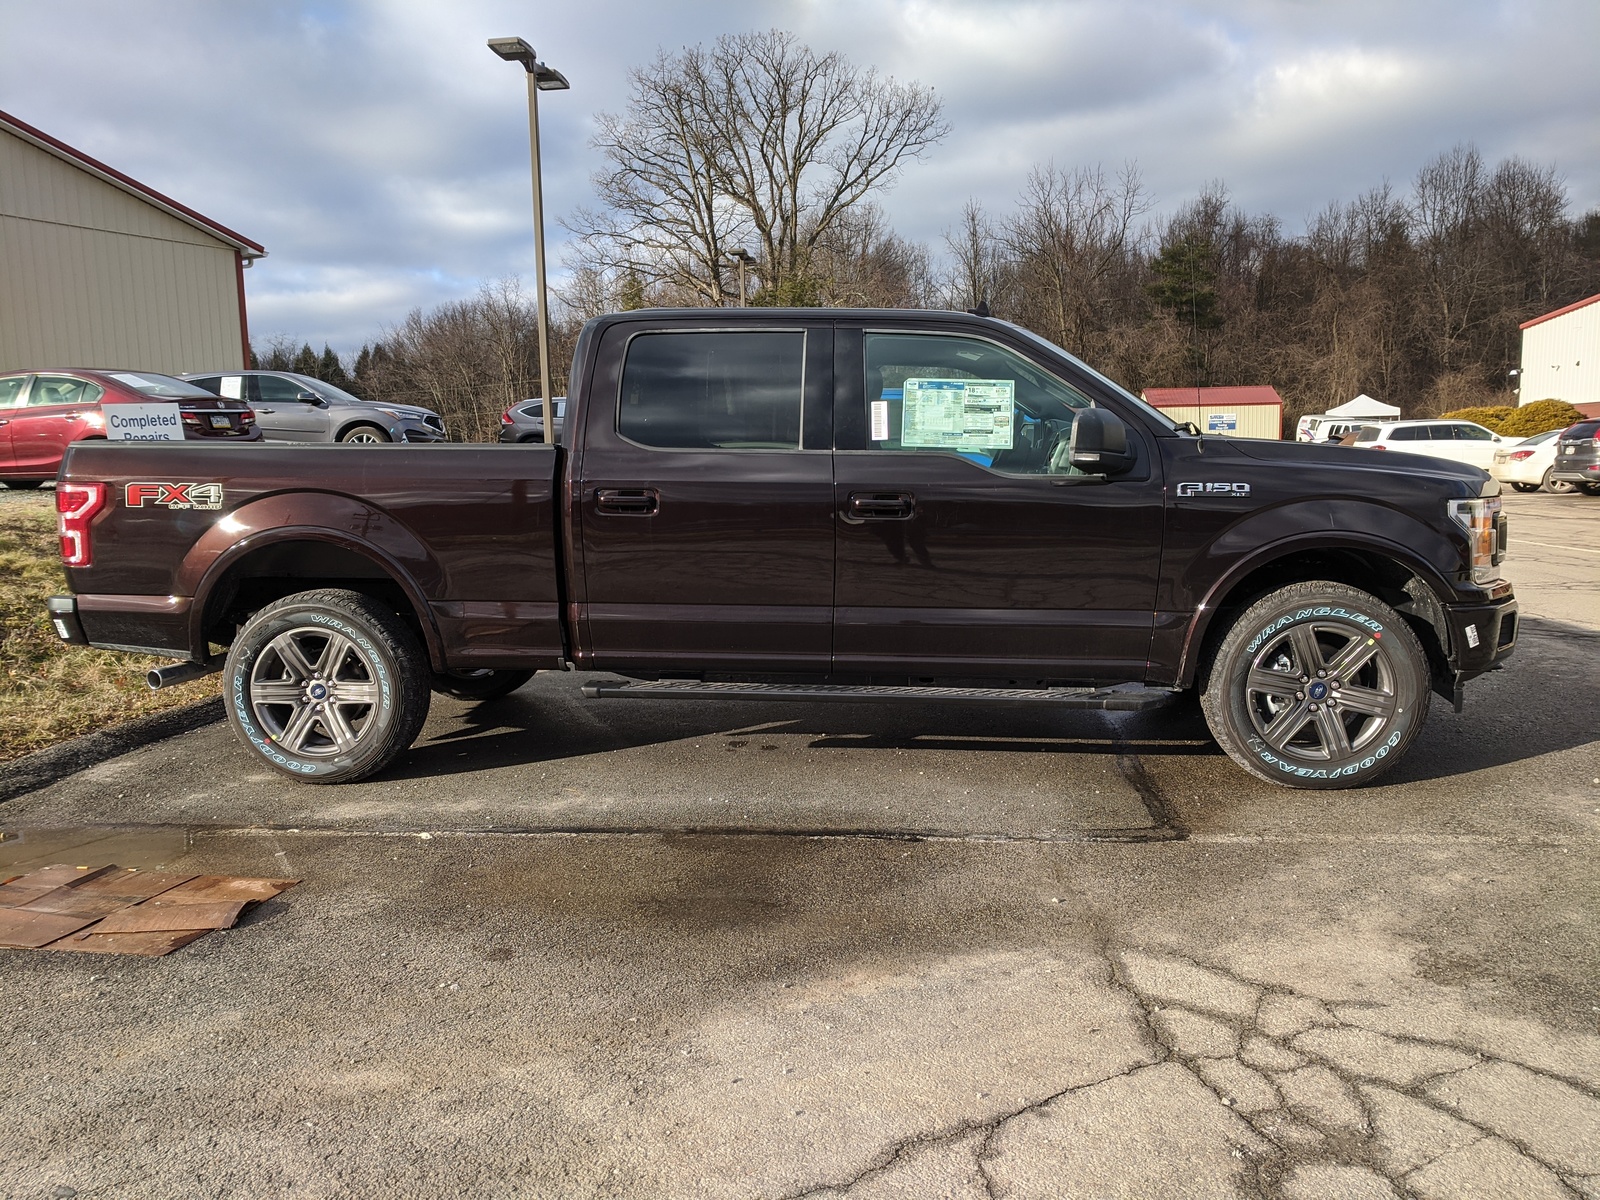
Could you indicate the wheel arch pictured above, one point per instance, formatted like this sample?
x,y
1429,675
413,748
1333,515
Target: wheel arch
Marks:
x,y
357,423
1390,572
258,570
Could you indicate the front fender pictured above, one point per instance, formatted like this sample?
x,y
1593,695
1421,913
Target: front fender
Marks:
x,y
1262,538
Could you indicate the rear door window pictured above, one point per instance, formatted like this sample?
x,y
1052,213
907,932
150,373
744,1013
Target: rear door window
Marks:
x,y
11,389
63,389
1410,433
713,390
1466,432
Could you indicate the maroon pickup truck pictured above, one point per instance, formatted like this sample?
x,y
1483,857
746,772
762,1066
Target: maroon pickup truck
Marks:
x,y
805,505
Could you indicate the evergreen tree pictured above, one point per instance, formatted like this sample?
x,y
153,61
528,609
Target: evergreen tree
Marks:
x,y
330,369
306,362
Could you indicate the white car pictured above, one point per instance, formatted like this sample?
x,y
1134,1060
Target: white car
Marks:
x,y
1461,441
1325,428
1526,466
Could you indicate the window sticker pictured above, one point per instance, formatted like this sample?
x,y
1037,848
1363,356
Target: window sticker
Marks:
x,y
958,414
233,387
880,420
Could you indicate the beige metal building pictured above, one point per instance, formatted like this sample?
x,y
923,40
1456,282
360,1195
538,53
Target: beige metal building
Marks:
x,y
99,270
1254,411
1561,357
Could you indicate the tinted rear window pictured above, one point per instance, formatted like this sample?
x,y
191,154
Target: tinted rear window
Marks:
x,y
713,390
1583,429
1369,433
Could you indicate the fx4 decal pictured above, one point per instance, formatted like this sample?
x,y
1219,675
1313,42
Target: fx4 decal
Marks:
x,y
173,495
1213,489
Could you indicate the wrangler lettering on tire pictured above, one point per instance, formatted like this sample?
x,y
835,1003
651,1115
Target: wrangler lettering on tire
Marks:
x,y
1317,685
327,686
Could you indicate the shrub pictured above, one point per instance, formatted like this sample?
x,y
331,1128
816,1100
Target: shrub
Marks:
x,y
1490,418
1539,417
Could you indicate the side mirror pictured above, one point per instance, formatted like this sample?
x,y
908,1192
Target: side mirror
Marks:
x,y
1099,443
308,398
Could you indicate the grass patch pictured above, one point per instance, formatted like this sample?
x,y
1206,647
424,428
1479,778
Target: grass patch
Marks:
x,y
49,690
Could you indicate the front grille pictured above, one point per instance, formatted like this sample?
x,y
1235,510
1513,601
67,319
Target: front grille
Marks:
x,y
436,422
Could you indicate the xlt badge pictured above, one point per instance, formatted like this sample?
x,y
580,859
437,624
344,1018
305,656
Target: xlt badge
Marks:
x,y
1213,489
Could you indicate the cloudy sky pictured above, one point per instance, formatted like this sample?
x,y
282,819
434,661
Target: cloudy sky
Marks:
x,y
379,151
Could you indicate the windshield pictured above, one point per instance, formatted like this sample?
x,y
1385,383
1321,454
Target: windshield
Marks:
x,y
164,386
1155,414
1369,433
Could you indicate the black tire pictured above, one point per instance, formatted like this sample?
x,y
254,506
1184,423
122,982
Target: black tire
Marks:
x,y
1559,487
1526,487
364,433
1284,730
24,485
535,438
374,682
479,685
1590,489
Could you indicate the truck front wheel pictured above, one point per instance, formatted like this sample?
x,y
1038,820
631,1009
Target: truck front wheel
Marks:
x,y
1316,685
327,686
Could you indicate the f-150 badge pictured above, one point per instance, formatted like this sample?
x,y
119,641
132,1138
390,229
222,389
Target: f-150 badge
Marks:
x,y
173,495
1213,489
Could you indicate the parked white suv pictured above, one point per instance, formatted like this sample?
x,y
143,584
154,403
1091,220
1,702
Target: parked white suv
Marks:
x,y
1462,441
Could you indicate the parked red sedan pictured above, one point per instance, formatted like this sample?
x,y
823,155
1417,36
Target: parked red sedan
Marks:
x,y
42,412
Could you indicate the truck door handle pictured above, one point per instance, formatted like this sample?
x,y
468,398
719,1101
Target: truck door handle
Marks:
x,y
882,506
627,502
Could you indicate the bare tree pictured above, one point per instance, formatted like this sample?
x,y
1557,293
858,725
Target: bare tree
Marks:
x,y
757,142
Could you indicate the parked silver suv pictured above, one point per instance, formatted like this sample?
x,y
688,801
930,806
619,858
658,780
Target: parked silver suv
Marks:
x,y
298,408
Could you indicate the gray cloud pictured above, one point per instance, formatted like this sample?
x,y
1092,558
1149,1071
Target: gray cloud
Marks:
x,y
380,152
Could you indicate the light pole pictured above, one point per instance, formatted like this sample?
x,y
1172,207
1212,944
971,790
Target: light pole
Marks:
x,y
540,79
742,257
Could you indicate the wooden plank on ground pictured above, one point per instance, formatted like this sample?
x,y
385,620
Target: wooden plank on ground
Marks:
x,y
149,945
36,883
105,894
24,930
172,918
206,888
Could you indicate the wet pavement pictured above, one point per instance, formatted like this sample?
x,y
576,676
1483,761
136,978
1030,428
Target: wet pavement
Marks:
x,y
609,948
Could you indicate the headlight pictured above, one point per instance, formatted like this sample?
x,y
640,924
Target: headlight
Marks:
x,y
1485,528
398,416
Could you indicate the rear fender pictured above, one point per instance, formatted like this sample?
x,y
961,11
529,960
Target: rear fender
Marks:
x,y
326,517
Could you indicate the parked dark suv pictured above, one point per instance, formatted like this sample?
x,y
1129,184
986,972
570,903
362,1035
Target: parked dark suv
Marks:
x,y
1578,456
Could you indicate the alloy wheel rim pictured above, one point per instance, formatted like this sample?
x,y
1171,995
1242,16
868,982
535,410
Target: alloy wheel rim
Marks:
x,y
363,437
315,692
1322,691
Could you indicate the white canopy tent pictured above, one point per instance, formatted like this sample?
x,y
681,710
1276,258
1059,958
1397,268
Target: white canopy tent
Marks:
x,y
1363,406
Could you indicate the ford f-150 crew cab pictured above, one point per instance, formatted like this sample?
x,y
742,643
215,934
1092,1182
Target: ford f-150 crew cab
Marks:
x,y
805,504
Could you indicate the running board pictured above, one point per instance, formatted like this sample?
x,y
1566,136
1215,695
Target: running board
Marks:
x,y
1124,697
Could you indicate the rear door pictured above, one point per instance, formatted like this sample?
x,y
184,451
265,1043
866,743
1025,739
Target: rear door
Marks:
x,y
967,548
52,416
1472,444
705,499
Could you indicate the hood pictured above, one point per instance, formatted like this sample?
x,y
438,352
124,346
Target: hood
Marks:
x,y
410,410
1389,461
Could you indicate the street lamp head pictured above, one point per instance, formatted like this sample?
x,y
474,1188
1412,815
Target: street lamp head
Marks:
x,y
545,78
741,255
514,49
548,79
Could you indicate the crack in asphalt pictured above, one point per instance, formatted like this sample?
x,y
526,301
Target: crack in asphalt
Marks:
x,y
1300,1131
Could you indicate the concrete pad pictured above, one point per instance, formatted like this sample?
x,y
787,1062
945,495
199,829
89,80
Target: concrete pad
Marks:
x,y
1336,1181
1408,1132
1489,1167
1556,1122
948,1169
1172,980
1155,1132
1360,1052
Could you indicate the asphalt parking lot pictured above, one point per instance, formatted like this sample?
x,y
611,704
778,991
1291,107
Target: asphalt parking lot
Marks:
x,y
617,948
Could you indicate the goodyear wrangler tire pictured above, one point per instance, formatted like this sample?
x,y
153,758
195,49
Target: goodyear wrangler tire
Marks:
x,y
327,686
1317,685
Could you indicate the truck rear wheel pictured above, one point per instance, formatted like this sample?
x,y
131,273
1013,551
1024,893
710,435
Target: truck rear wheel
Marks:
x,y
327,686
1316,685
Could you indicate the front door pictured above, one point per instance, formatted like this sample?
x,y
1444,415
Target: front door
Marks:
x,y
281,414
967,545
53,415
705,499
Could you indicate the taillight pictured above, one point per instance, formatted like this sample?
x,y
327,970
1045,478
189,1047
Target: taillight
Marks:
x,y
1377,447
1519,455
76,505
247,417
506,418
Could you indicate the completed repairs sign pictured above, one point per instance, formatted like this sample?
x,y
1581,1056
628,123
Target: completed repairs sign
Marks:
x,y
143,423
958,414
